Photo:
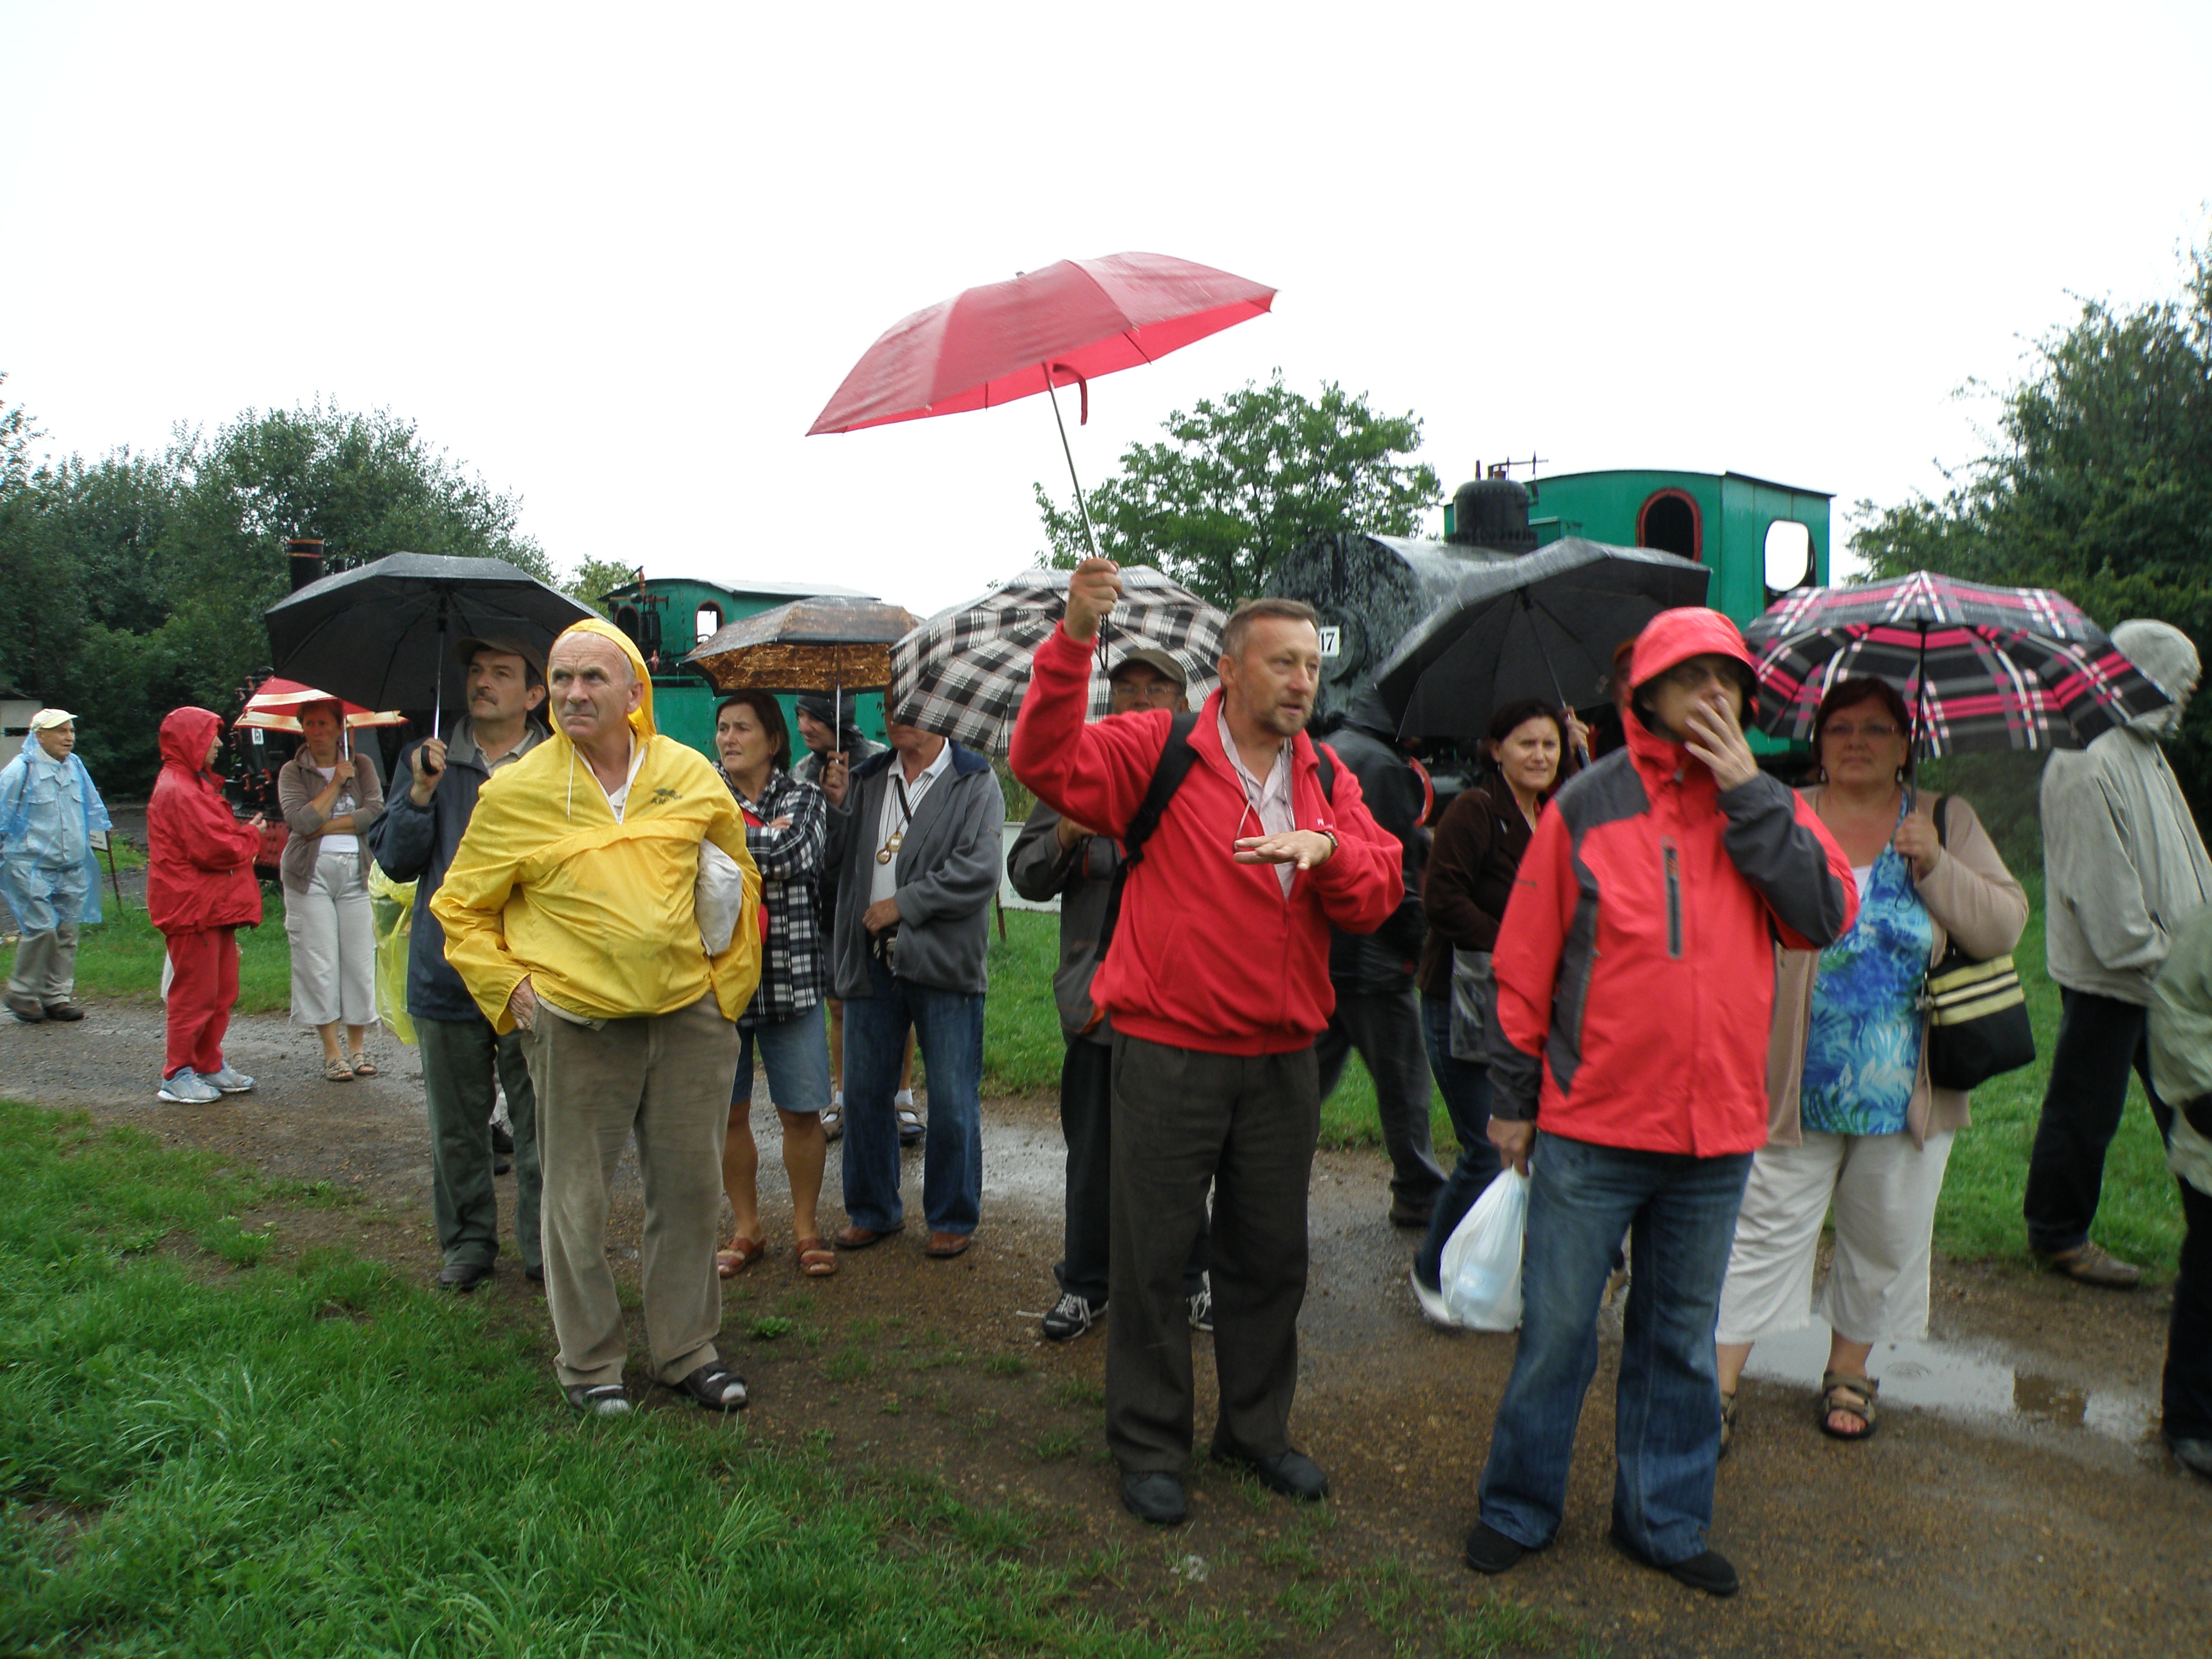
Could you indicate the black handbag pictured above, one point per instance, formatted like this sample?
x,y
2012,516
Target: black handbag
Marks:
x,y
1978,1024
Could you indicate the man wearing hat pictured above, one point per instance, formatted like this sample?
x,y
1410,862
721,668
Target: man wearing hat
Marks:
x,y
1055,855
414,840
49,810
827,729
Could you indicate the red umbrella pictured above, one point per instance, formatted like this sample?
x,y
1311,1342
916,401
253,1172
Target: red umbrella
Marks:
x,y
1058,326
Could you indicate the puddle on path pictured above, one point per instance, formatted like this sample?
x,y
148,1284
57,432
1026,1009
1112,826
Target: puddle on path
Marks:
x,y
1991,1384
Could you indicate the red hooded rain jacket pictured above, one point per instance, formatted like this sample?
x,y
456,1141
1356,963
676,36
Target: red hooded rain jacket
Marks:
x,y
199,862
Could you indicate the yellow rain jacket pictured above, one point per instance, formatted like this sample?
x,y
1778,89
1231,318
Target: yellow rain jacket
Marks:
x,y
599,915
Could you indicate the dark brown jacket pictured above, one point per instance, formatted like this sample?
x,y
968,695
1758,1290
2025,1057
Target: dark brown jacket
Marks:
x,y
1477,848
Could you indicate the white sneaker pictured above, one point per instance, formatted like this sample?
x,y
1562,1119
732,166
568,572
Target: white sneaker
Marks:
x,y
1432,1304
228,1081
187,1089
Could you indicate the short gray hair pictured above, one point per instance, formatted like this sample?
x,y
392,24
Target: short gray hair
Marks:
x,y
1239,626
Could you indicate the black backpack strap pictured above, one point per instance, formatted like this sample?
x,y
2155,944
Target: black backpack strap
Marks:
x,y
1942,808
1176,758
1325,758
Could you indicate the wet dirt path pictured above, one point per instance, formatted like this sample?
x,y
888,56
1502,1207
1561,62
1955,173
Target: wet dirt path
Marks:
x,y
2014,1502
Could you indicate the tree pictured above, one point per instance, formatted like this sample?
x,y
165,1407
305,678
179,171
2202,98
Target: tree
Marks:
x,y
1243,479
2100,485
594,577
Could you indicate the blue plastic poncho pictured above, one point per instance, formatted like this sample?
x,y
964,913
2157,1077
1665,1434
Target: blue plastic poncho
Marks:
x,y
49,810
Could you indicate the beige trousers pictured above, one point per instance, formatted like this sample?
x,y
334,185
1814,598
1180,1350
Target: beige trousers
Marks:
x,y
1884,1189
664,1078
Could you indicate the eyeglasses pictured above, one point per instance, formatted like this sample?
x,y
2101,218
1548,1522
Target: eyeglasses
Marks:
x,y
1876,729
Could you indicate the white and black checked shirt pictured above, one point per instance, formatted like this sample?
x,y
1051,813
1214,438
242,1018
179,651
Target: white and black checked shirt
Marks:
x,y
794,974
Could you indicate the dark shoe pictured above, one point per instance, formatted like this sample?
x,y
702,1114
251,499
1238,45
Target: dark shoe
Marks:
x,y
64,1011
1198,1304
1490,1551
1709,1571
715,1386
26,1009
501,1166
1154,1495
943,1247
2195,1456
856,1237
501,1142
1290,1473
1070,1317
535,1275
2092,1264
462,1276
1406,1214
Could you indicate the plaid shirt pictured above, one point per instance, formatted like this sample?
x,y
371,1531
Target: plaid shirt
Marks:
x,y
794,972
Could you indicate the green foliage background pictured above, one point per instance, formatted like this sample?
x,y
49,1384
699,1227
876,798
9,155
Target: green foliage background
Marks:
x,y
135,582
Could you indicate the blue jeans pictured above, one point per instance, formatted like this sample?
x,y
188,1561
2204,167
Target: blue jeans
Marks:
x,y
794,1054
949,1026
1680,1211
1465,1085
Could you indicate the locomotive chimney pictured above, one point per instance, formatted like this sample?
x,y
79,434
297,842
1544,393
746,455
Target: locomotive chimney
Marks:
x,y
306,555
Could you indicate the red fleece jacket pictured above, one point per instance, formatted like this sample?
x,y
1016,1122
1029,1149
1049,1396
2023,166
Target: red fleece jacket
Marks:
x,y
1209,953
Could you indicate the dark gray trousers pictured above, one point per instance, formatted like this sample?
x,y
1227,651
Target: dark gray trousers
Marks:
x,y
1385,1026
459,1057
1183,1120
1086,1123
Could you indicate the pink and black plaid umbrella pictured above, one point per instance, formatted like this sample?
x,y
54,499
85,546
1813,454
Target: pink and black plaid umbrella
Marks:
x,y
1984,667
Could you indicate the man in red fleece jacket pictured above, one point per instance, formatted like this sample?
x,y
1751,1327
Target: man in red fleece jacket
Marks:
x,y
1217,981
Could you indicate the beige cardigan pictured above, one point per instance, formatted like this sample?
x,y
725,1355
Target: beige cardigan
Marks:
x,y
299,780
1969,893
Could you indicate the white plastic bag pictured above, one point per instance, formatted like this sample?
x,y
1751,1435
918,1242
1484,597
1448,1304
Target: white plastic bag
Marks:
x,y
718,897
1482,1268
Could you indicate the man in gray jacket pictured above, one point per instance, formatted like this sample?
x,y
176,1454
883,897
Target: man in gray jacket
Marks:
x,y
1055,855
414,840
2123,866
915,838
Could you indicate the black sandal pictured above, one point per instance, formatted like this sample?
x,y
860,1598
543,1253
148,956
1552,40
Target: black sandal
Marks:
x,y
599,1400
712,1386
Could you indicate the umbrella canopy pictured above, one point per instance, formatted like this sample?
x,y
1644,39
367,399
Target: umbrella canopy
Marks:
x,y
382,634
1985,668
962,674
276,707
809,645
1545,625
1075,320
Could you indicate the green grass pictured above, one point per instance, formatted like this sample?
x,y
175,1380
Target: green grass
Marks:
x,y
203,1459
121,957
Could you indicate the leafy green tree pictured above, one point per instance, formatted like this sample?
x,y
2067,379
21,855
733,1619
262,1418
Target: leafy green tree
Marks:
x,y
1243,479
596,576
2101,484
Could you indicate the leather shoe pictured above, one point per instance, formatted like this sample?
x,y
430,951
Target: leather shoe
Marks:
x,y
26,1009
1490,1551
64,1011
855,1236
501,1166
1153,1495
1290,1473
944,1246
1708,1570
2091,1264
462,1276
535,1275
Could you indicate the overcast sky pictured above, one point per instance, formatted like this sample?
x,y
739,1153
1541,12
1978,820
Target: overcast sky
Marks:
x,y
616,259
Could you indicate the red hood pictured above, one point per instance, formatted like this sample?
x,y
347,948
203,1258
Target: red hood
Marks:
x,y
1673,636
186,734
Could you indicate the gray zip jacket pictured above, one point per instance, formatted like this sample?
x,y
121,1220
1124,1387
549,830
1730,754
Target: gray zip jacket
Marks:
x,y
948,866
2123,864
1083,876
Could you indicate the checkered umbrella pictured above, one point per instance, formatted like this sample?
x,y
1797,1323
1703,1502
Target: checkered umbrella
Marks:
x,y
1985,668
962,673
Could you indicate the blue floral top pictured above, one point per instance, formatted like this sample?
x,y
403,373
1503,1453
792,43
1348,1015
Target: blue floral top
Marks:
x,y
1863,1051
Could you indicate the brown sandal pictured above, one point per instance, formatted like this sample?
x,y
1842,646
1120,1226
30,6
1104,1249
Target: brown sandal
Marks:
x,y
738,1254
816,1258
1838,1389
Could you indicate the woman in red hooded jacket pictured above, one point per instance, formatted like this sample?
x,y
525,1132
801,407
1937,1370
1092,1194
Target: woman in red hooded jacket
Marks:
x,y
1635,969
200,890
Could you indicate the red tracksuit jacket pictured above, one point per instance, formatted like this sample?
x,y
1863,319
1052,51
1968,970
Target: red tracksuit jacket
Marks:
x,y
1208,953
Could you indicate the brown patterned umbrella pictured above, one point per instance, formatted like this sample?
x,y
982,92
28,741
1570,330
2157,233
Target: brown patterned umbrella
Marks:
x,y
823,644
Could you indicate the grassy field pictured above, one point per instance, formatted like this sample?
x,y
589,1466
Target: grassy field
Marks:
x,y
209,1447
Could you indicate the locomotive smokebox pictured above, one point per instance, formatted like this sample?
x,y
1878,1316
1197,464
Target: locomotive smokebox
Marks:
x,y
1492,512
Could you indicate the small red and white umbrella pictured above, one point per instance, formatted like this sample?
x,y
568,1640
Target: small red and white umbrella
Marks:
x,y
276,707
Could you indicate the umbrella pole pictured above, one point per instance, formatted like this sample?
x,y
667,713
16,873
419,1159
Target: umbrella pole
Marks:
x,y
438,684
1555,691
1082,510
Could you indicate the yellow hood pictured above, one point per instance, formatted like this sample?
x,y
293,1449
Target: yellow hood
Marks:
x,y
640,718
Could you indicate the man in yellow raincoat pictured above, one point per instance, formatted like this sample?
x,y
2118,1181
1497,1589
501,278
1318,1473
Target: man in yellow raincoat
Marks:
x,y
586,907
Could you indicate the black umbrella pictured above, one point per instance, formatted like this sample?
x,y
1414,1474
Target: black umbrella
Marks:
x,y
1543,626
382,634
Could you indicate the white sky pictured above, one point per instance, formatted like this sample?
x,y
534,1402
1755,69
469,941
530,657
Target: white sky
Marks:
x,y
616,259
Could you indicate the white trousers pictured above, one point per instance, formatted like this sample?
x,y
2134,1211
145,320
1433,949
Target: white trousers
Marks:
x,y
333,945
1884,1189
